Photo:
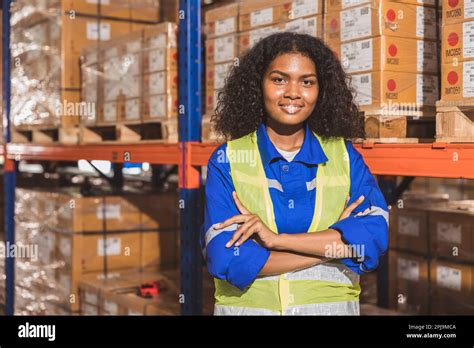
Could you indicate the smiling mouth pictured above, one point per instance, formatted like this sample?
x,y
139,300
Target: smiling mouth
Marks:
x,y
291,109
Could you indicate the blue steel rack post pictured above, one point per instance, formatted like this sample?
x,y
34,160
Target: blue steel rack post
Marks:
x,y
9,174
190,72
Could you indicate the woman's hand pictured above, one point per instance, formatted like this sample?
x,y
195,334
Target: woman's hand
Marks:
x,y
349,209
251,224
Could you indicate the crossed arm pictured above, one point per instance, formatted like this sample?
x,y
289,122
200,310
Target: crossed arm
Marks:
x,y
288,252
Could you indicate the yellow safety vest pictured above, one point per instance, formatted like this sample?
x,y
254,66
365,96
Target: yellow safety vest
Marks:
x,y
330,288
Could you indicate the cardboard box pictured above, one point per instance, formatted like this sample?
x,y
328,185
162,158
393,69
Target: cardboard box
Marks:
x,y
397,19
452,288
452,231
253,14
98,252
395,90
222,49
93,286
307,25
216,75
458,43
160,106
408,283
158,59
222,20
159,249
93,214
409,228
339,5
131,10
388,53
457,81
81,32
457,11
160,35
161,82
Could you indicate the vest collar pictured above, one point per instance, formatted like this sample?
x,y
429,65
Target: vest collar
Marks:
x,y
311,151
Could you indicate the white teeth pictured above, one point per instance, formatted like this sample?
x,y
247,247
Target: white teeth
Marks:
x,y
291,109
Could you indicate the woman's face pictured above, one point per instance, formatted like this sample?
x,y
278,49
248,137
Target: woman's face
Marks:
x,y
290,88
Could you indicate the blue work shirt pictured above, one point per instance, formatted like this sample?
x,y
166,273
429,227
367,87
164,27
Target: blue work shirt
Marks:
x,y
292,188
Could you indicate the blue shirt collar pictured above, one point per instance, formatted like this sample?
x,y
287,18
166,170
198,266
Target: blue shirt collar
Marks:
x,y
310,152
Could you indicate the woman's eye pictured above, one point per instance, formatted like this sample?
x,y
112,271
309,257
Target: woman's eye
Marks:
x,y
308,82
278,80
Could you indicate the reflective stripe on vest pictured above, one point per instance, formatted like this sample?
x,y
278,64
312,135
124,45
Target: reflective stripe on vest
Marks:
x,y
329,288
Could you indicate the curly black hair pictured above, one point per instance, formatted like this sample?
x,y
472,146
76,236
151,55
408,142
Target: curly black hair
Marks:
x,y
240,107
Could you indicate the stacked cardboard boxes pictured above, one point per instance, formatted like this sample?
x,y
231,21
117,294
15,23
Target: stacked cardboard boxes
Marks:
x,y
235,28
47,38
455,110
431,256
68,236
389,49
457,51
120,295
134,78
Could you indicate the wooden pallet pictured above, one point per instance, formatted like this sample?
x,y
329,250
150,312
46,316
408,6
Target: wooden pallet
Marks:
x,y
400,129
455,122
45,134
166,130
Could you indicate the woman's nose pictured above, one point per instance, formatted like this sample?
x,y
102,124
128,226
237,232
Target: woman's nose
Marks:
x,y
292,91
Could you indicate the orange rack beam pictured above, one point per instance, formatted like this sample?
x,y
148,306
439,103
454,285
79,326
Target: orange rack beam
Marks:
x,y
155,153
431,160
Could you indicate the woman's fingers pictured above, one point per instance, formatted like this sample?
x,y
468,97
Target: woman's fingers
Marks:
x,y
363,213
347,212
251,229
239,233
239,204
236,219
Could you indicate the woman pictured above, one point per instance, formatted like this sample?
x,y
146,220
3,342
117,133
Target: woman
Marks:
x,y
286,172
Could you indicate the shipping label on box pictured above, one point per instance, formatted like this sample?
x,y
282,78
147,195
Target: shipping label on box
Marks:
x,y
160,106
357,56
409,226
222,20
310,26
261,13
449,232
362,83
303,8
448,277
248,39
221,49
408,269
355,23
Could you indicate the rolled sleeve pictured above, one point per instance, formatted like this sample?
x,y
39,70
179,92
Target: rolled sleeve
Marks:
x,y
367,234
237,265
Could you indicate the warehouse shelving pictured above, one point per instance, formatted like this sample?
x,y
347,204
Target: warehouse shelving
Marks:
x,y
431,160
